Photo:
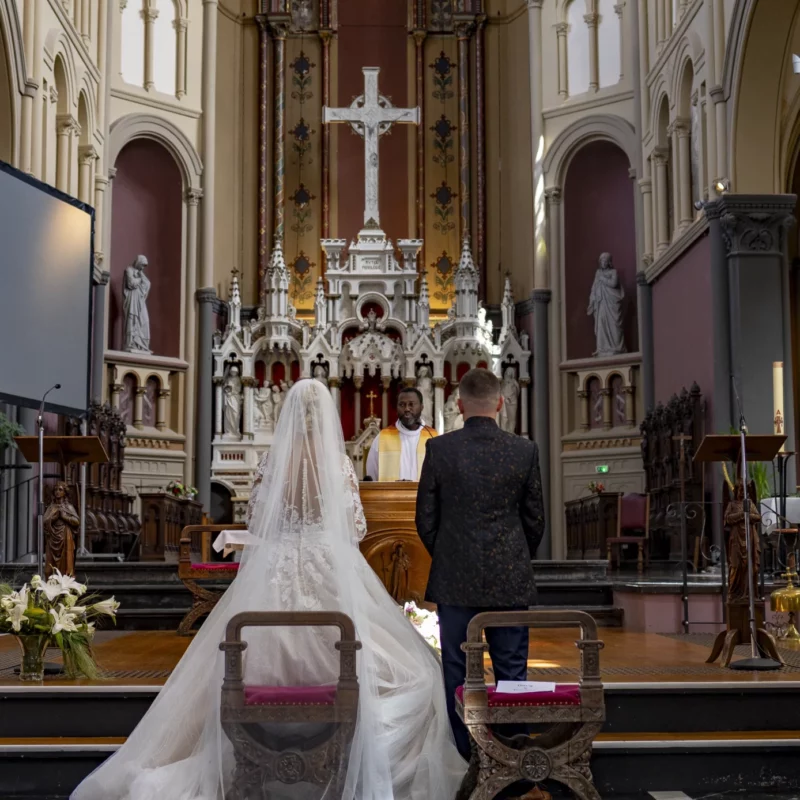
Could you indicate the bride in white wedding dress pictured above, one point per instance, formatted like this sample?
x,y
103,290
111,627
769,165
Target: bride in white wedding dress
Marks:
x,y
307,518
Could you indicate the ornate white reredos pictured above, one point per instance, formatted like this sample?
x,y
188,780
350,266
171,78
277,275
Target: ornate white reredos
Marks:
x,y
372,317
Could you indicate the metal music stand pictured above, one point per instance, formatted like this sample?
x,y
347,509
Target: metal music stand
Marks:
x,y
716,449
62,450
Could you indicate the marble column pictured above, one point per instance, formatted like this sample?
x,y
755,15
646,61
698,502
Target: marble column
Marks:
x,y
685,210
205,376
326,35
279,29
439,385
419,52
209,134
662,199
463,27
115,389
644,297
98,334
541,408
754,231
630,405
218,407
619,9
717,94
192,198
359,382
646,188
149,15
540,276
181,26
607,410
87,156
263,153
138,407
161,409
562,29
591,21
586,422
85,22
524,404
66,126
248,385
334,384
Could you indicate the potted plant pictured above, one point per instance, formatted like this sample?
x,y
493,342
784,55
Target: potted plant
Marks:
x,y
180,490
8,430
596,488
46,613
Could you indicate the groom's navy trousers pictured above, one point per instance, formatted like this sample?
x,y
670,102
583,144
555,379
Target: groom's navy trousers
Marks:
x,y
508,649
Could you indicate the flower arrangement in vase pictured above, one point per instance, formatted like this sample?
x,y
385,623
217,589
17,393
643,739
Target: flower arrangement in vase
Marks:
x,y
596,488
426,623
46,613
181,490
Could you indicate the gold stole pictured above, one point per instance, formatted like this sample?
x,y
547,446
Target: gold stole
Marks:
x,y
389,452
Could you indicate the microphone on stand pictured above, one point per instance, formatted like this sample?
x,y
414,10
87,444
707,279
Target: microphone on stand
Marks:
x,y
40,524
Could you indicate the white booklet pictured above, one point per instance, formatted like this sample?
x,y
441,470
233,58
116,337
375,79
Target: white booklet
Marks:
x,y
524,687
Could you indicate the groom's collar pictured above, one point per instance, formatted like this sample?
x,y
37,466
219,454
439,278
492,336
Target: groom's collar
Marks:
x,y
476,421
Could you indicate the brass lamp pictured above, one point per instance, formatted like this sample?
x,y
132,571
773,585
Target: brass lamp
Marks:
x,y
788,600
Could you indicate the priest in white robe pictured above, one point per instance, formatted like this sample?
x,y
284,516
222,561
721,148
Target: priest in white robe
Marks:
x,y
398,451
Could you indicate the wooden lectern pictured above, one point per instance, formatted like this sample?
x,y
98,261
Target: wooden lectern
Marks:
x,y
720,449
391,546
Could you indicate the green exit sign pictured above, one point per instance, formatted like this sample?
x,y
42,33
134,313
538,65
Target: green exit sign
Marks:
x,y
601,469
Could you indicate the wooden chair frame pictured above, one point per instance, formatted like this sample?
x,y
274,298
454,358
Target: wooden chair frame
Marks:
x,y
642,542
561,753
203,598
324,763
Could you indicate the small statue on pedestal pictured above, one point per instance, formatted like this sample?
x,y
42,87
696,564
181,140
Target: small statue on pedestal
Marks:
x,y
135,289
61,524
605,305
510,391
232,398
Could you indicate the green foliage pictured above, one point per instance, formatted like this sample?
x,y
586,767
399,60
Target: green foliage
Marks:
x,y
8,430
758,472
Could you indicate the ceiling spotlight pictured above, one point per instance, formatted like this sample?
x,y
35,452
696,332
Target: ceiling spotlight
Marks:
x,y
722,185
796,65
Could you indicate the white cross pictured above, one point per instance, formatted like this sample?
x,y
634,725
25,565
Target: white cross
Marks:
x,y
371,115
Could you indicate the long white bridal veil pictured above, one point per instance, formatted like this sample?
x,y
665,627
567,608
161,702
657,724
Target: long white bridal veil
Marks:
x,y
306,558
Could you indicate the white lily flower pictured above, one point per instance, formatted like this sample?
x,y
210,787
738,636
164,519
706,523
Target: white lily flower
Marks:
x,y
51,590
109,607
16,616
15,599
36,581
63,620
66,583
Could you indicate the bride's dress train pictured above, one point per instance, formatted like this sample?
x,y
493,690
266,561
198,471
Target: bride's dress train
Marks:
x,y
308,520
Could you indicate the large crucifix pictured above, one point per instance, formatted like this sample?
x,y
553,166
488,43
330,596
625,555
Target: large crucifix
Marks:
x,y
371,115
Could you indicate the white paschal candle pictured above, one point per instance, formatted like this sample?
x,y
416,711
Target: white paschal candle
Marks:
x,y
778,417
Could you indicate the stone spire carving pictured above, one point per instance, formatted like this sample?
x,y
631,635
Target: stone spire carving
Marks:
x,y
507,311
320,306
466,282
277,300
424,318
234,304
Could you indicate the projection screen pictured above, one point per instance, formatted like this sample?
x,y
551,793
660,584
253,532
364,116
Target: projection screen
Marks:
x,y
46,252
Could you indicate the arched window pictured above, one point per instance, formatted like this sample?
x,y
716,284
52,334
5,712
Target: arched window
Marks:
x,y
609,48
578,51
132,42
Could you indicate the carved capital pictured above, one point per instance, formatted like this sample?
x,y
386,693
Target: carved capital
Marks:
x,y
249,382
149,15
553,195
535,5
646,185
524,382
440,383
112,173
717,94
141,391
680,126
755,224
463,25
87,154
325,36
53,94
193,196
334,383
419,37
641,278
591,19
541,296
660,156
562,28
181,25
163,394
279,25
618,9
101,277
205,295
358,381
67,124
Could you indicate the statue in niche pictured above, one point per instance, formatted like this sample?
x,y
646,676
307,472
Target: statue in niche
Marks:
x,y
135,288
458,423
302,14
605,305
61,524
232,399
510,391
425,387
398,582
264,415
450,412
277,403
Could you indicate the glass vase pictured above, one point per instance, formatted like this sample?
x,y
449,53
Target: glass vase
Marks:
x,y
33,647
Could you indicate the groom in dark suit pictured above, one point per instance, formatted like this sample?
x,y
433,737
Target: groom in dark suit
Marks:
x,y
480,515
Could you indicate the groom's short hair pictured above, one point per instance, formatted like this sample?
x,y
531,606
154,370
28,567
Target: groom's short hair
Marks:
x,y
479,388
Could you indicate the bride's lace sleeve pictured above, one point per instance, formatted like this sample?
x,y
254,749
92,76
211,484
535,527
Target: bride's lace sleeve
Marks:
x,y
358,509
259,476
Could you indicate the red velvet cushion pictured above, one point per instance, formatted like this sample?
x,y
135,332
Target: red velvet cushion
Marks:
x,y
289,695
564,695
217,565
633,512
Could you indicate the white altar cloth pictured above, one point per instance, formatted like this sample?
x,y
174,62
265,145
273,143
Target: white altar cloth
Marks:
x,y
227,542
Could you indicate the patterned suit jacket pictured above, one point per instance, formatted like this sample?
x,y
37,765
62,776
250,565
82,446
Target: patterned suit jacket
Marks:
x,y
480,515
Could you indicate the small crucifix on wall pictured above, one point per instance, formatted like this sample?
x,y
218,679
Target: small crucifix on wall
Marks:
x,y
372,397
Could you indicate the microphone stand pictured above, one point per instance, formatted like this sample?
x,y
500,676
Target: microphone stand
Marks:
x,y
82,551
756,661
40,521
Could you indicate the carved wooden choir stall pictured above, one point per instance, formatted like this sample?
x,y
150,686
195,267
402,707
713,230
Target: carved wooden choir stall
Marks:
x,y
163,519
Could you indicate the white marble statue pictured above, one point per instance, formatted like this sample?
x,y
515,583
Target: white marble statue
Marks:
x,y
450,412
605,305
458,423
425,386
277,403
135,288
510,391
264,416
320,374
232,398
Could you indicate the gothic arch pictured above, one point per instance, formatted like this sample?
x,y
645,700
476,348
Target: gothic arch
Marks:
x,y
148,126
602,127
59,50
13,73
757,60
